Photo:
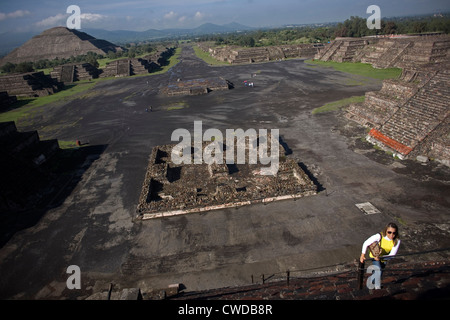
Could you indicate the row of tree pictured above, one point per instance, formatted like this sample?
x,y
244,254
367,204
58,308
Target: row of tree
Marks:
x,y
353,27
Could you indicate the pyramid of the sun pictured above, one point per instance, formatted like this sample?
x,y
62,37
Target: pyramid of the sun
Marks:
x,y
58,42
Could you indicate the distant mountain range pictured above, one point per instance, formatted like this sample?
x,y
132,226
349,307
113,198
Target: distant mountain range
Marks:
x,y
11,40
123,36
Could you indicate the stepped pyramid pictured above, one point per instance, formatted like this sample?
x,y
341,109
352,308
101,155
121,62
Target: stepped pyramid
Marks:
x,y
58,42
409,116
31,84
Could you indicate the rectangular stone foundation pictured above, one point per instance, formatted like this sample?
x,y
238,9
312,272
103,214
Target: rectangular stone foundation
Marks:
x,y
196,86
171,189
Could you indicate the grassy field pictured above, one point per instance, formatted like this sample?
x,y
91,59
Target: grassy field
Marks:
x,y
362,69
207,58
336,105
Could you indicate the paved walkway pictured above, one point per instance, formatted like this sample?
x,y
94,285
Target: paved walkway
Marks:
x,y
403,281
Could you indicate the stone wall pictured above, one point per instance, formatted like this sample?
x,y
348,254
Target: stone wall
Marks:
x,y
388,52
32,84
69,73
239,55
134,66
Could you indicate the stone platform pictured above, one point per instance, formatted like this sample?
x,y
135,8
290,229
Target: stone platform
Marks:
x,y
196,86
170,189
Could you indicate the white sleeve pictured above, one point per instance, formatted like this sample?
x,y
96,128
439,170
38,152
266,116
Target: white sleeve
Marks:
x,y
372,239
394,249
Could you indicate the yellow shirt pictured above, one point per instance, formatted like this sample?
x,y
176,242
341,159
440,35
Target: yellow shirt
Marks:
x,y
385,245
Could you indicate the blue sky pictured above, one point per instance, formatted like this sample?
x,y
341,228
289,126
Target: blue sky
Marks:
x,y
32,15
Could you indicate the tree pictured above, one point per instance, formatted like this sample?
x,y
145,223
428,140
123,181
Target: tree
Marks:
x,y
8,67
247,41
390,28
24,67
92,59
132,52
111,55
419,26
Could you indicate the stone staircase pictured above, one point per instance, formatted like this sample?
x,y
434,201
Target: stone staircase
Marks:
x,y
325,53
348,50
379,106
392,53
419,116
128,67
429,50
142,66
31,84
422,113
117,68
341,50
69,73
241,56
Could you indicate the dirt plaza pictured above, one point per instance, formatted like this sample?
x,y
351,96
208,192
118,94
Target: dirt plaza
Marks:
x,y
94,226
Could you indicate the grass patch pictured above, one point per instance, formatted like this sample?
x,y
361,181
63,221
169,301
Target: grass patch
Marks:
x,y
26,107
358,68
67,144
173,60
177,106
207,58
336,105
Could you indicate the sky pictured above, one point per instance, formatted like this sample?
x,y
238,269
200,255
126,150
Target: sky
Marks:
x,y
140,15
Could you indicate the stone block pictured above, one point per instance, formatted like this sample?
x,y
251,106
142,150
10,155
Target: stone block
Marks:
x,y
131,294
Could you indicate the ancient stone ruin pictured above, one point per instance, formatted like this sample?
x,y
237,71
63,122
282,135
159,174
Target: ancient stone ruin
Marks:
x,y
171,189
128,67
238,55
409,116
386,52
69,73
31,84
196,86
58,42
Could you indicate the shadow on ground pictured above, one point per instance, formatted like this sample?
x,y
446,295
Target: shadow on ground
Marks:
x,y
44,188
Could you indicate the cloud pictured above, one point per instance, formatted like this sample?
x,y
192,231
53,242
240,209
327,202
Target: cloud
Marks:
x,y
61,19
52,21
91,17
171,15
15,14
199,16
174,17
